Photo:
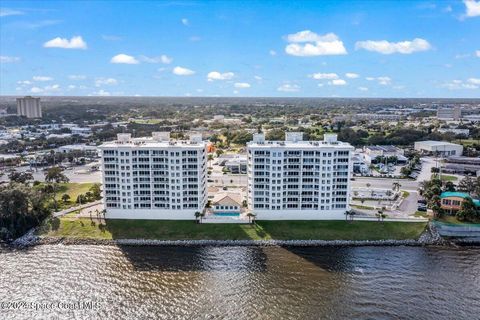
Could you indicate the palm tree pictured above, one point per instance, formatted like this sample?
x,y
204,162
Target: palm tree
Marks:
x,y
396,186
197,216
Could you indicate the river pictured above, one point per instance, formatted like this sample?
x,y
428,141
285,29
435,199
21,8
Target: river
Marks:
x,y
109,282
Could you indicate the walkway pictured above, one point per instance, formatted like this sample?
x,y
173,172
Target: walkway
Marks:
x,y
83,206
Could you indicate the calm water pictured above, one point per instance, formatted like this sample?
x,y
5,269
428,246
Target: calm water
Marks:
x,y
242,282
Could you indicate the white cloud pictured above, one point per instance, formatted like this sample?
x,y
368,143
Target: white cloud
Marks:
x,y
105,81
242,85
337,82
477,53
77,77
124,58
471,83
180,71
24,82
160,59
42,78
185,22
273,52
101,92
288,88
7,59
352,75
52,88
386,47
363,88
71,87
474,81
307,43
4,12
258,78
74,43
472,7
323,76
46,89
215,75
384,80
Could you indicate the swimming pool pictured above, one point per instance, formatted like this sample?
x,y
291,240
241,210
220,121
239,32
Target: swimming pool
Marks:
x,y
227,214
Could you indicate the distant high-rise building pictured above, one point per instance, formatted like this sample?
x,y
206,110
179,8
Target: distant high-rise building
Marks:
x,y
449,113
29,107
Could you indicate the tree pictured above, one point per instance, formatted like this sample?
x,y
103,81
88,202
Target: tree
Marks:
x,y
251,217
396,186
20,177
449,186
275,135
197,216
96,191
55,175
21,208
467,184
468,211
65,198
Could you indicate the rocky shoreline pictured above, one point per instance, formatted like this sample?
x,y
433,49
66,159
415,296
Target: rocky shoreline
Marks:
x,y
429,237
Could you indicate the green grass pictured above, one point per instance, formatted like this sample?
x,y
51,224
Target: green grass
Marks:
x,y
357,206
262,230
405,194
445,177
73,190
421,214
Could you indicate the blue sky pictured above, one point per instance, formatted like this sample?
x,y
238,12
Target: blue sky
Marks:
x,y
244,48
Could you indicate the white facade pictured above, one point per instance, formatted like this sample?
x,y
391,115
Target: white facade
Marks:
x,y
299,180
154,178
29,107
441,148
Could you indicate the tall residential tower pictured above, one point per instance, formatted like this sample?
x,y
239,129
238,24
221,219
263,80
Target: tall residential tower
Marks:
x,y
154,178
29,107
299,180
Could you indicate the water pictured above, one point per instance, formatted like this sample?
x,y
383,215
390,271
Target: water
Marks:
x,y
243,282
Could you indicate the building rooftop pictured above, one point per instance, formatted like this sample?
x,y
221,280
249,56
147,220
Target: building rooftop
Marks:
x,y
437,143
462,195
158,140
295,139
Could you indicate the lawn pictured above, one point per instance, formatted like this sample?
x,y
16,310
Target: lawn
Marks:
x,y
446,177
262,230
73,190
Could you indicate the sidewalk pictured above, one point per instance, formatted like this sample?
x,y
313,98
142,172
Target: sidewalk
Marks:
x,y
83,206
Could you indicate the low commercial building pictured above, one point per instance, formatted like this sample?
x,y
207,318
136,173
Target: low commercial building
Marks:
x,y
439,148
451,202
462,165
371,153
454,113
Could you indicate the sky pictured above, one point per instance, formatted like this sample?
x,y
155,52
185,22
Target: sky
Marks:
x,y
241,48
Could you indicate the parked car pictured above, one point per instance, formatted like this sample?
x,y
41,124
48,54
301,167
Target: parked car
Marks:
x,y
422,201
422,208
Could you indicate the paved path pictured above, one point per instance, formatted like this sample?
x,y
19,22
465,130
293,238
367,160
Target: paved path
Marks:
x,y
83,206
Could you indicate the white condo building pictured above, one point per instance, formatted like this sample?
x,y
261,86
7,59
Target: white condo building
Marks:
x,y
29,107
299,180
154,178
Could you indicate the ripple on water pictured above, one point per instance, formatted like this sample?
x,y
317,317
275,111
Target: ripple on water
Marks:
x,y
245,282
